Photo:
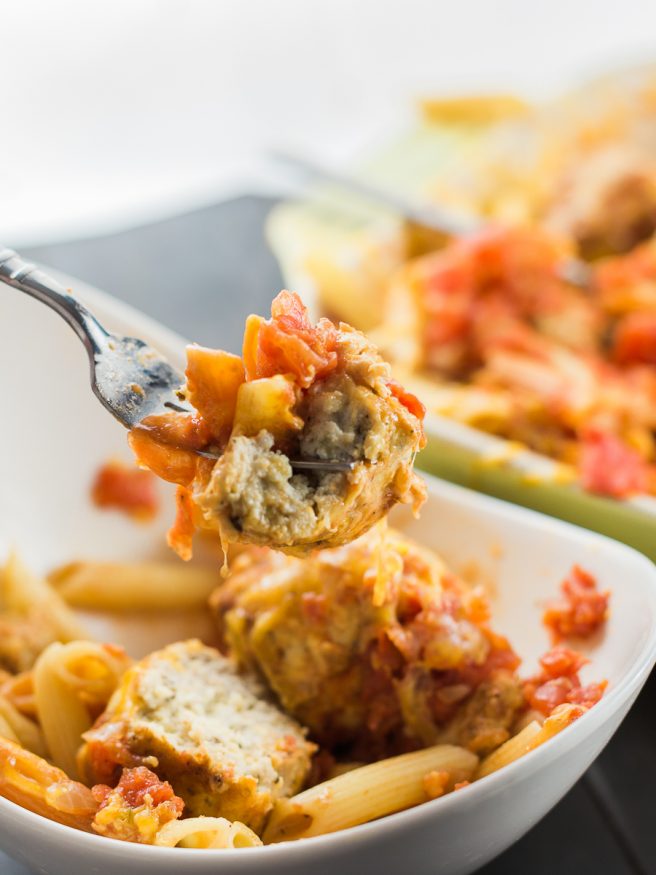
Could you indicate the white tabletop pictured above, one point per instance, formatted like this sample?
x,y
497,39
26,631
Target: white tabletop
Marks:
x,y
113,113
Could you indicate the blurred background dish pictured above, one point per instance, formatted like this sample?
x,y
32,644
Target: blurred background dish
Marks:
x,y
487,332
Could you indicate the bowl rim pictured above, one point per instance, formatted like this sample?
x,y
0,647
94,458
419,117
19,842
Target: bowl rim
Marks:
x,y
110,308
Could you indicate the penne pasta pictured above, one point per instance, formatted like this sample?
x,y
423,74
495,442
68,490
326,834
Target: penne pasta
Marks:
x,y
62,715
206,832
21,728
72,683
474,109
126,587
529,738
19,690
530,716
30,781
92,670
367,793
510,750
6,731
23,591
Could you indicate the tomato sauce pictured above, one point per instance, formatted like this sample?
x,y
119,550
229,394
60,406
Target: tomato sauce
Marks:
x,y
581,609
125,488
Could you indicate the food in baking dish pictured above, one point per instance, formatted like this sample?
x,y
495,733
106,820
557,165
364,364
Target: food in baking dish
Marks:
x,y
499,340
300,391
580,166
484,329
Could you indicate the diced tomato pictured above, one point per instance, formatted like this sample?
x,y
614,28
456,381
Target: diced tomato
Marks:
x,y
409,401
526,258
550,694
106,758
180,535
635,340
581,611
486,286
137,784
435,783
126,488
588,695
558,683
289,343
609,466
137,808
450,271
562,662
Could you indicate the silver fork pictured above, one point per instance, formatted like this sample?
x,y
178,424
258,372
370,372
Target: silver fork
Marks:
x,y
130,378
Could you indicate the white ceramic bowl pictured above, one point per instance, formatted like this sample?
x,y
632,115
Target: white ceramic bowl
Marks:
x,y
54,435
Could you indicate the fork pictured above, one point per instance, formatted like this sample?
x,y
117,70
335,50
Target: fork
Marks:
x,y
130,378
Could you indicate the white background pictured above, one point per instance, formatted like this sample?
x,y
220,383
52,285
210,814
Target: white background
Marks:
x,y
115,112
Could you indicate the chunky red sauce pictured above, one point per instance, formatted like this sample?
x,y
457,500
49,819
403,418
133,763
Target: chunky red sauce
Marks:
x,y
422,627
289,343
634,342
126,488
410,402
138,787
573,371
609,466
557,682
581,609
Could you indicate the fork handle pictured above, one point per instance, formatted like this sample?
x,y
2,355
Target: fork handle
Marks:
x,y
16,272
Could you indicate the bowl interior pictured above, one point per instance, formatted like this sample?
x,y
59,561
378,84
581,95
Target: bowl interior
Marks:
x,y
56,434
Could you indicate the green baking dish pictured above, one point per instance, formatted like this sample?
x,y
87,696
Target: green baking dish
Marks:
x,y
338,223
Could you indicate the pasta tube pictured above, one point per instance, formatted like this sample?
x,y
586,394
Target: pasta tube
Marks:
x,y
31,782
6,731
20,728
72,683
367,793
19,690
127,587
22,591
529,738
206,832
